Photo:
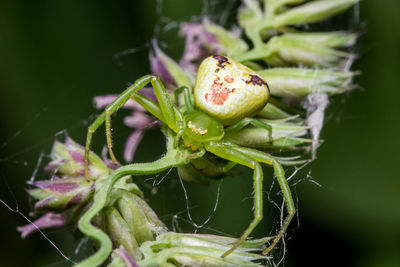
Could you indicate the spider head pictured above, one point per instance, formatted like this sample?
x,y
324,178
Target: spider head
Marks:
x,y
201,128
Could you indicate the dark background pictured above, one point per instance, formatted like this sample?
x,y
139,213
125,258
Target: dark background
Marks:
x,y
56,55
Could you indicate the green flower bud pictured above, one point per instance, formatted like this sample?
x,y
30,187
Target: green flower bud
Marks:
x,y
300,82
68,160
229,43
249,13
313,11
121,258
120,233
199,250
140,218
58,194
329,39
284,50
273,111
285,135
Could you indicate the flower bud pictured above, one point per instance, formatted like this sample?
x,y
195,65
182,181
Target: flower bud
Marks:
x,y
68,160
58,194
313,11
168,70
284,50
300,82
48,220
249,14
141,219
229,43
200,250
119,232
121,258
329,39
285,135
272,111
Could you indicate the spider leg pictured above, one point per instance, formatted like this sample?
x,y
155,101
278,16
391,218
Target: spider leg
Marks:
x,y
155,110
222,150
280,175
246,121
151,106
188,104
170,114
187,96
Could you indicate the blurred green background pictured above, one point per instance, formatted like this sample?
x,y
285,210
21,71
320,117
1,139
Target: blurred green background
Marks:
x,y
56,55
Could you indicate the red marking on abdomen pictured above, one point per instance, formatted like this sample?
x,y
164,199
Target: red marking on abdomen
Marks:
x,y
228,79
219,93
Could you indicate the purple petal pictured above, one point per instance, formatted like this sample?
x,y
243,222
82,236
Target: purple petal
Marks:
x,y
43,183
139,120
75,150
63,188
149,93
131,144
75,199
54,165
126,258
158,66
102,102
196,39
46,221
44,202
55,186
195,35
77,156
107,160
72,144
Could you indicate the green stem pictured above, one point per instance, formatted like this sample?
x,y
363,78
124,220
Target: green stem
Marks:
x,y
173,158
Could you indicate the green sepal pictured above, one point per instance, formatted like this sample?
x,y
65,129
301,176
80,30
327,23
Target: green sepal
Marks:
x,y
311,12
67,160
271,111
174,249
141,219
329,39
284,50
286,135
250,13
300,82
230,44
120,233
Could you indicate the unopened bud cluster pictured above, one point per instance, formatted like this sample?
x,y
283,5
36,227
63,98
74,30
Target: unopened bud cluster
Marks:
x,y
137,234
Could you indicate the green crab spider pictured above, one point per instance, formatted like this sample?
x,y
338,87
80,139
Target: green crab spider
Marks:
x,y
226,96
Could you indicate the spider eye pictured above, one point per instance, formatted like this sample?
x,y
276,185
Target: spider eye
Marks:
x,y
202,127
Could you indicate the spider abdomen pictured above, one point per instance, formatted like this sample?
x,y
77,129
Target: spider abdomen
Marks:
x,y
228,90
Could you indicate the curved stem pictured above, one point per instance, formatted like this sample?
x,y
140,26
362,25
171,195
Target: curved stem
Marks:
x,y
173,158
